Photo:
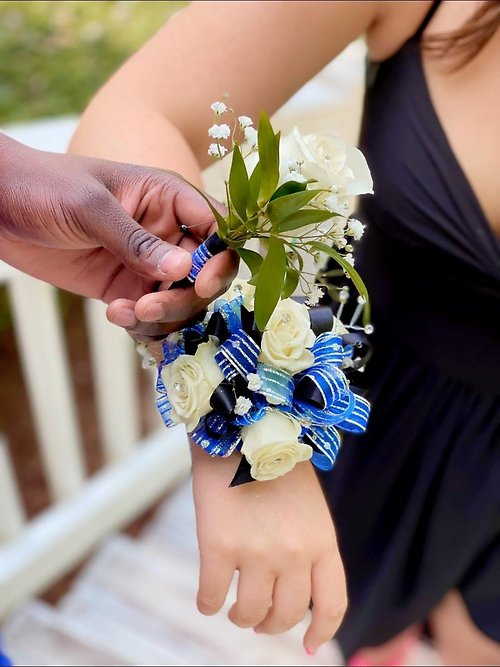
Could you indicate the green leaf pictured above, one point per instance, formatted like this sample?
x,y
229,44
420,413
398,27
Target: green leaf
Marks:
x,y
238,183
303,218
288,188
252,259
253,191
270,282
351,272
279,209
254,280
291,282
268,145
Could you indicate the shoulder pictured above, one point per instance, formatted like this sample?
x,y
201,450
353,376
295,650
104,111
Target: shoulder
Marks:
x,y
396,22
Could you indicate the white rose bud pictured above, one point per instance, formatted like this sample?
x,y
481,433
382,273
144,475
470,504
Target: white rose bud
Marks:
x,y
271,446
190,381
287,336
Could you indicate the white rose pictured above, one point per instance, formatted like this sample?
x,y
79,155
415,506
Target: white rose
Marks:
x,y
271,446
190,381
328,159
287,336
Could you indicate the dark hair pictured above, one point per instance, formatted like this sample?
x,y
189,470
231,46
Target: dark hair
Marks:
x,y
463,44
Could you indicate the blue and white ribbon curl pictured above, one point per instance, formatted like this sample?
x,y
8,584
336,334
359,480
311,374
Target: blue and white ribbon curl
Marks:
x,y
319,398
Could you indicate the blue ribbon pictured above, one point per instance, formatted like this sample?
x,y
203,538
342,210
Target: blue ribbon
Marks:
x,y
319,398
237,355
277,385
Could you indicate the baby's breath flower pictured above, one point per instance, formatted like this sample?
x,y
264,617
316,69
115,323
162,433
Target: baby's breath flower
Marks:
x,y
254,382
148,360
218,108
315,294
217,150
251,136
245,121
349,258
355,228
219,131
242,406
174,338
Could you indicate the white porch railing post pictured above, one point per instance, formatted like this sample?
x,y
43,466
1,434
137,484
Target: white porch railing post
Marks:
x,y
114,365
42,352
11,510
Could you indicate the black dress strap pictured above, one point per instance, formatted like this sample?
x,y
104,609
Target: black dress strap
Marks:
x,y
427,19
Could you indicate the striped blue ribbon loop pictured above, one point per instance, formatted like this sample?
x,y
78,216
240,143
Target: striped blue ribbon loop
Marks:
x,y
164,408
171,350
277,385
237,355
330,382
328,349
231,311
216,436
327,444
323,418
357,420
199,258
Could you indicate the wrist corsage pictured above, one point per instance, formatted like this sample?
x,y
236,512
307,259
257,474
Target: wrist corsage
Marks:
x,y
264,374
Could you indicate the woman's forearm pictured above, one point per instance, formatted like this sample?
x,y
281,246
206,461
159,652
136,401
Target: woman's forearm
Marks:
x,y
135,134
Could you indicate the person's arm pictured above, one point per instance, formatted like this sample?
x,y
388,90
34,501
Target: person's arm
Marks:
x,y
73,222
155,110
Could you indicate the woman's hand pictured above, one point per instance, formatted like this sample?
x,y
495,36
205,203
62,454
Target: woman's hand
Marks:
x,y
279,536
107,230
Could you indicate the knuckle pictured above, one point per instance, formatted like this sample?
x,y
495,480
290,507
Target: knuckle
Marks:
x,y
246,618
332,614
141,243
287,621
208,603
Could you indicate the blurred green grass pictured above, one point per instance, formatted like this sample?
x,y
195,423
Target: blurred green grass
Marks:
x,y
55,55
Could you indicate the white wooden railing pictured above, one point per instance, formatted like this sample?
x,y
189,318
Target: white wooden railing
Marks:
x,y
83,510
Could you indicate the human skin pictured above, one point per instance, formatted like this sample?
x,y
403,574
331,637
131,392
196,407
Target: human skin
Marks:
x,y
72,221
261,53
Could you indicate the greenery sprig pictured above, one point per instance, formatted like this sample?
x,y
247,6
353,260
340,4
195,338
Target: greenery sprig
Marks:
x,y
294,209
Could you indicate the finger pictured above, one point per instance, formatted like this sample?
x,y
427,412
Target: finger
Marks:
x,y
329,598
216,574
217,274
142,252
255,593
121,313
173,305
291,597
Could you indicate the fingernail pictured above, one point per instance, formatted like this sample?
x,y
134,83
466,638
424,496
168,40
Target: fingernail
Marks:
x,y
311,651
125,317
153,313
173,260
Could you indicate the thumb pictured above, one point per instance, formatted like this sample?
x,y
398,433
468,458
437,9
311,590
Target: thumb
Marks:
x,y
142,252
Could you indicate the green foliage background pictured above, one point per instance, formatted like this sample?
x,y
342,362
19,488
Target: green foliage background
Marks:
x,y
55,55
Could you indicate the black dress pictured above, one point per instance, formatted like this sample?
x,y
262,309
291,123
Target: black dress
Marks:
x,y
416,500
